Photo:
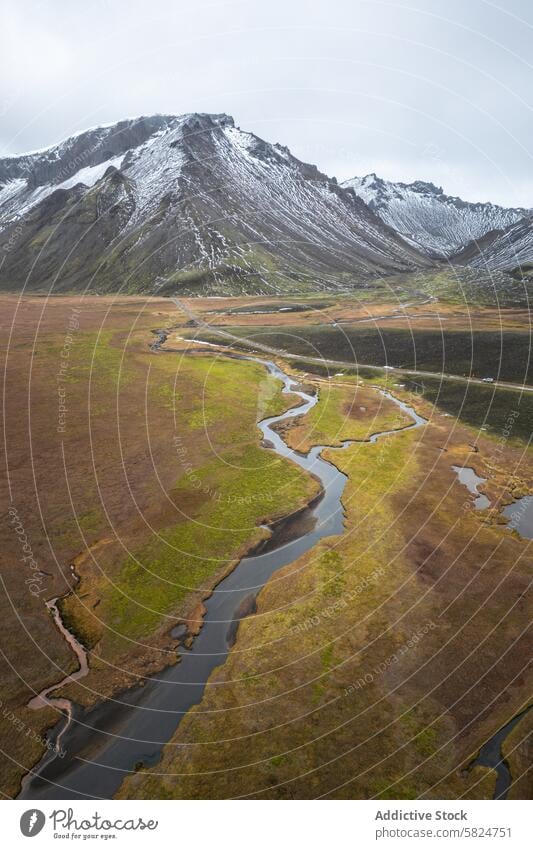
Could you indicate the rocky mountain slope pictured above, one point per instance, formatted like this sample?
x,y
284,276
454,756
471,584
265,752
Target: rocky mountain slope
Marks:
x,y
189,203
433,222
507,249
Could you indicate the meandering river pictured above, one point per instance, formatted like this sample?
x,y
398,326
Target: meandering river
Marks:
x,y
103,745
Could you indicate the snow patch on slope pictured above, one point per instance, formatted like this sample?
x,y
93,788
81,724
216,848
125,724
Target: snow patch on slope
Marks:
x,y
17,199
90,175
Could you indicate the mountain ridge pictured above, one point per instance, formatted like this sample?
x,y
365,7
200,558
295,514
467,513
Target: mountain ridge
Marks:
x,y
441,225
196,205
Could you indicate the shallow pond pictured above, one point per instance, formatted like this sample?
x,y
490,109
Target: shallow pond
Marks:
x,y
520,516
468,478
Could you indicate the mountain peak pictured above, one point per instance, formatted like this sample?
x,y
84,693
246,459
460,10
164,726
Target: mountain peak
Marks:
x,y
206,120
372,179
423,186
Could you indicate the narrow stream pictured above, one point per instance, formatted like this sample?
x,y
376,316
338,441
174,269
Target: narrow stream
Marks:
x,y
104,744
491,756
43,698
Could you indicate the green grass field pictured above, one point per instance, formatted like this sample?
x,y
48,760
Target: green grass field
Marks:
x,y
225,486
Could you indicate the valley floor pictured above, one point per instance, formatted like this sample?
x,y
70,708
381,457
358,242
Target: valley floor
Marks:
x,y
377,664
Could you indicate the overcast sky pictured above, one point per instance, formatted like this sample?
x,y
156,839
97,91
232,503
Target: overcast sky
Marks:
x,y
438,90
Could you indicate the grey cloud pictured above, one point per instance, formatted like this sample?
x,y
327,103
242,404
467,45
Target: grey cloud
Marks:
x,y
431,89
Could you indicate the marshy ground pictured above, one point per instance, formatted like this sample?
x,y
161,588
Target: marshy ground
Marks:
x,y
383,658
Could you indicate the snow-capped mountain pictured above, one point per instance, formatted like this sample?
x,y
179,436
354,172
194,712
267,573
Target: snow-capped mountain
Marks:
x,y
433,222
186,202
